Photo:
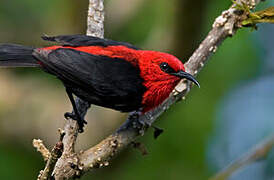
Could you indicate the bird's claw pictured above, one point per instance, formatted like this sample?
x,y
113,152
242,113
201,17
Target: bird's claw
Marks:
x,y
135,116
81,121
68,115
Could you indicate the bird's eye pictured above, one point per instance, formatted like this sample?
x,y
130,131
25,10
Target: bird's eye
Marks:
x,y
166,68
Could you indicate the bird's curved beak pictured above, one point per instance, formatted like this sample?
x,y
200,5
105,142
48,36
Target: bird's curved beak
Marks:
x,y
182,74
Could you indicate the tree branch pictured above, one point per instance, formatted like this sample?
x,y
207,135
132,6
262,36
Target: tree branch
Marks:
x,y
40,147
257,153
95,20
54,156
49,157
68,165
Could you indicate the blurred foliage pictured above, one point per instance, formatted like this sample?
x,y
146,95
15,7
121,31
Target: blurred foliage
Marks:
x,y
18,162
245,115
263,16
172,26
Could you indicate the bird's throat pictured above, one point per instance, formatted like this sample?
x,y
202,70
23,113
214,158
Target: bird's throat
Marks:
x,y
157,92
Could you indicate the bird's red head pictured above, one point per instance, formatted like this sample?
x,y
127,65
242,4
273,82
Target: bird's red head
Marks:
x,y
161,73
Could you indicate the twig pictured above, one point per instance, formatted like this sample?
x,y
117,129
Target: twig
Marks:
x,y
50,157
95,20
68,165
257,153
40,147
54,156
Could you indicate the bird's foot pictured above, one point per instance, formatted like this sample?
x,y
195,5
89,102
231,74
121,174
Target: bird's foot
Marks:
x,y
142,124
157,131
81,121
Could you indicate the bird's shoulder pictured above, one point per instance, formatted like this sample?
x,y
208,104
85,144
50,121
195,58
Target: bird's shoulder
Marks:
x,y
84,40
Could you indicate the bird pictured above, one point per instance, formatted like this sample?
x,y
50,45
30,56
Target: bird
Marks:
x,y
102,72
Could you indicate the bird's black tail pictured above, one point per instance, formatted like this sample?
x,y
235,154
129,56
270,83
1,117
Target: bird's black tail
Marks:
x,y
13,55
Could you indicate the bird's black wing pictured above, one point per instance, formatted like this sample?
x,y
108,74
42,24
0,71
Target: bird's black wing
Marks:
x,y
101,80
84,40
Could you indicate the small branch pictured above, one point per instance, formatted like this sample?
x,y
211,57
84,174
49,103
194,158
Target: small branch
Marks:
x,y
40,147
257,153
69,157
95,18
99,155
68,165
50,157
54,156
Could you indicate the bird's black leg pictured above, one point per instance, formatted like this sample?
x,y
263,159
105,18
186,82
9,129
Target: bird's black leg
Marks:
x,y
82,107
75,114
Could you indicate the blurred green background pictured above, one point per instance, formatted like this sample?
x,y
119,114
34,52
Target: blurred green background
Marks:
x,y
32,103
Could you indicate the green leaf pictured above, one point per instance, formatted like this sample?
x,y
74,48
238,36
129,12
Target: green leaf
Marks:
x,y
264,16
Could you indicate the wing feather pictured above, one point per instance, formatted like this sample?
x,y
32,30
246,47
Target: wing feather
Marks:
x,y
84,40
104,81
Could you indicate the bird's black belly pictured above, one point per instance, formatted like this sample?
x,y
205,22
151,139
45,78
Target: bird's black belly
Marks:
x,y
128,103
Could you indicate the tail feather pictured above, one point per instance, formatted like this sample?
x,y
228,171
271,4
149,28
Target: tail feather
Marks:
x,y
13,55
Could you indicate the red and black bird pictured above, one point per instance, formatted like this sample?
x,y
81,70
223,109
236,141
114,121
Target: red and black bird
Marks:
x,y
103,72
